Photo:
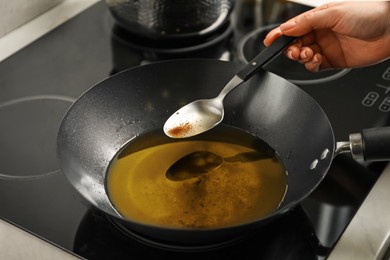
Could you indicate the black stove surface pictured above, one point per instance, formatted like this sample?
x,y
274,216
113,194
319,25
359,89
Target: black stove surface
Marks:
x,y
41,81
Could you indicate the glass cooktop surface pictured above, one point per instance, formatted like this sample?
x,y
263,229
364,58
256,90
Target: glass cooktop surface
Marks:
x,y
40,82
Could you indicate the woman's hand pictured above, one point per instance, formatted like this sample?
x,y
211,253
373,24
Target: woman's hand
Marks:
x,y
338,35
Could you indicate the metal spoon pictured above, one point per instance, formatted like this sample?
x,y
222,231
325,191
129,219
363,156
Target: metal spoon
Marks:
x,y
204,114
198,163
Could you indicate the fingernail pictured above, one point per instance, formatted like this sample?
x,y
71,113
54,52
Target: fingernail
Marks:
x,y
303,54
289,55
288,25
317,63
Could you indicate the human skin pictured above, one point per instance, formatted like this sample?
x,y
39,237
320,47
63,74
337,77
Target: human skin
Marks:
x,y
338,35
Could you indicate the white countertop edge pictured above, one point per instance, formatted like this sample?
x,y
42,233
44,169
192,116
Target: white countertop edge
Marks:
x,y
368,234
32,30
16,243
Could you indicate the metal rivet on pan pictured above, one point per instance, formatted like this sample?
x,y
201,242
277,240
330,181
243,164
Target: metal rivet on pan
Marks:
x,y
254,63
313,164
325,154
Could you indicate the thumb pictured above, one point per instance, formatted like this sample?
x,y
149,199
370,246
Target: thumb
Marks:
x,y
317,18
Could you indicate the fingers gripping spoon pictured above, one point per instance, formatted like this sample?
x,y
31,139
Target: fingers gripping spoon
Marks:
x,y
203,114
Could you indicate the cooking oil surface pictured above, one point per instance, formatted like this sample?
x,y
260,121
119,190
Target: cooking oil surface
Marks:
x,y
234,193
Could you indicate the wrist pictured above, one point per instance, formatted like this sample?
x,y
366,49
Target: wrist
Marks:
x,y
387,26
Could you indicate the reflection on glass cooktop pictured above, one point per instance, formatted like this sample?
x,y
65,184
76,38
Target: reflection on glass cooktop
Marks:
x,y
251,44
273,242
29,131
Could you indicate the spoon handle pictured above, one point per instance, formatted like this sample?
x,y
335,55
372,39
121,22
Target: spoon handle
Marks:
x,y
264,56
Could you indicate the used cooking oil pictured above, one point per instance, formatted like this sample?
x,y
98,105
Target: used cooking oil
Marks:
x,y
233,193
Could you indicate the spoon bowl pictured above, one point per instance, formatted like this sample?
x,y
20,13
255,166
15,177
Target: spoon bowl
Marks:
x,y
196,117
193,165
198,163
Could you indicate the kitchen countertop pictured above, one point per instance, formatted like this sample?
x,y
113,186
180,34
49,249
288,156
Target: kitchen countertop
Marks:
x,y
368,234
16,243
32,30
365,238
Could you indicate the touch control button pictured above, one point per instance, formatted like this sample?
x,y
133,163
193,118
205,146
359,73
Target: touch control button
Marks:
x,y
370,99
385,105
386,74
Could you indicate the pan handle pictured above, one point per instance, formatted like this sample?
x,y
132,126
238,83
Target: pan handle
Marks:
x,y
372,144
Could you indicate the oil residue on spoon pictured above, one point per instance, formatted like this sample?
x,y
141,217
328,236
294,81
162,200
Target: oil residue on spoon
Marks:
x,y
191,120
180,130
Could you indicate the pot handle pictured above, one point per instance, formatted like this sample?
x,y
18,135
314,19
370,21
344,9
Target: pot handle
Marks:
x,y
372,144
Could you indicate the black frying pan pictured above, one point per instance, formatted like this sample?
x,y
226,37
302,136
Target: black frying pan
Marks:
x,y
139,100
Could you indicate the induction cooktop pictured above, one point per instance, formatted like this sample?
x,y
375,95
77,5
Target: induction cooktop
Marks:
x,y
41,81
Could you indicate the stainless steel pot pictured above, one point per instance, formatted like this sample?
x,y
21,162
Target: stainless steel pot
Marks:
x,y
159,19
